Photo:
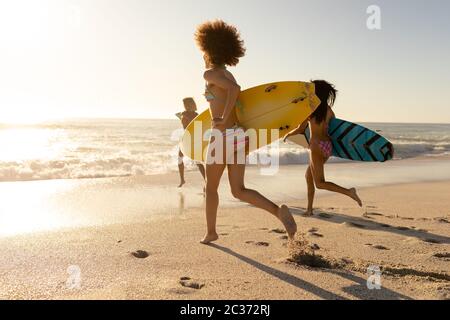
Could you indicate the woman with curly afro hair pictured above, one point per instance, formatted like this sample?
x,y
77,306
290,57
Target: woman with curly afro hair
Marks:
x,y
222,46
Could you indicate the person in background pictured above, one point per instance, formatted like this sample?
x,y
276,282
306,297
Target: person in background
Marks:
x,y
189,113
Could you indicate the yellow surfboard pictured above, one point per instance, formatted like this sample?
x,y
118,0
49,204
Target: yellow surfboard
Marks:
x,y
271,109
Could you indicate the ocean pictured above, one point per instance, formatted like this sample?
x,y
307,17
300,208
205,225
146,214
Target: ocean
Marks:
x,y
98,148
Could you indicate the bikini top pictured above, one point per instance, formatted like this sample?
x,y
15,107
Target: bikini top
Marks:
x,y
209,96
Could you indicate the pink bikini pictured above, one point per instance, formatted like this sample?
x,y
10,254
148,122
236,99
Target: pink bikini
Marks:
x,y
325,145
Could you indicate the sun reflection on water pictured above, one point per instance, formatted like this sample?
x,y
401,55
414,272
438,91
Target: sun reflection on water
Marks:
x,y
22,144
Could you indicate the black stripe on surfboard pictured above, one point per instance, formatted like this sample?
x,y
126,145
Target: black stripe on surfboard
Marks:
x,y
337,128
336,149
369,143
357,152
345,150
388,153
373,140
359,135
356,138
347,131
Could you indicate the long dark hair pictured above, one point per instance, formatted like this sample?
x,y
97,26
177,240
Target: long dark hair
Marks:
x,y
326,92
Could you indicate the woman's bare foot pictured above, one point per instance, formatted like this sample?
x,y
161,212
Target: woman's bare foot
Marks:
x,y
288,221
209,238
308,213
355,196
182,182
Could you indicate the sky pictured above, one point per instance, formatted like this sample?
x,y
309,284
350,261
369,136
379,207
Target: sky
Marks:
x,y
138,58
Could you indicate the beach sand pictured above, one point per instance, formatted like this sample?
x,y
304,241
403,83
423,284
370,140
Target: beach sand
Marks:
x,y
403,228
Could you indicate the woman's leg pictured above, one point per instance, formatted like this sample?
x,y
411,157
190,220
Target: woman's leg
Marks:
x,y
181,168
311,191
213,174
236,173
317,163
201,168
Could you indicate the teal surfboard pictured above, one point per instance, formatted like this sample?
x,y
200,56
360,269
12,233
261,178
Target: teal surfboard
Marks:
x,y
353,141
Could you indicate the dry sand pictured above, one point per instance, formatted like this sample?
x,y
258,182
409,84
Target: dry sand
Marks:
x,y
404,229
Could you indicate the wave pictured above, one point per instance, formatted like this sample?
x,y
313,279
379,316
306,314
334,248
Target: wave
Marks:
x,y
411,150
87,168
142,163
92,149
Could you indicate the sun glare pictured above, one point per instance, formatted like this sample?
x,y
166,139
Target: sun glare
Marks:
x,y
22,144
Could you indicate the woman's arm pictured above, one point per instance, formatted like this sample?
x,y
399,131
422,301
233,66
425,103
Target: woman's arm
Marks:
x,y
231,87
185,120
299,130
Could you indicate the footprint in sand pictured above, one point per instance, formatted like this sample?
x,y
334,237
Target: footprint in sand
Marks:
x,y
280,231
315,234
376,214
283,238
353,225
259,244
371,207
441,220
443,256
189,283
379,247
402,228
140,254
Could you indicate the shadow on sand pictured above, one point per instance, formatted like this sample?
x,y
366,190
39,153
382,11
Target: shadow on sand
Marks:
x,y
359,290
366,224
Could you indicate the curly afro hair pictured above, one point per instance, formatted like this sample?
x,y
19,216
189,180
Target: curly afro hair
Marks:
x,y
220,42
